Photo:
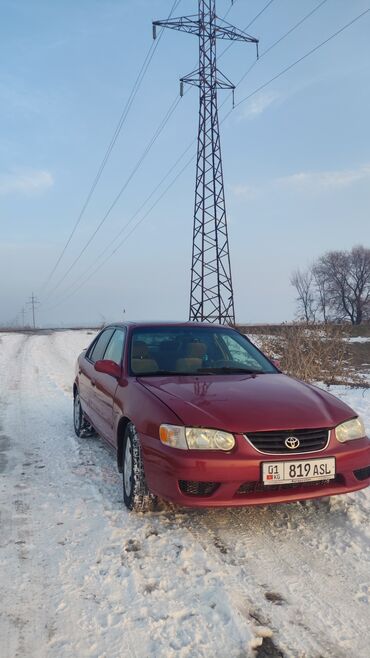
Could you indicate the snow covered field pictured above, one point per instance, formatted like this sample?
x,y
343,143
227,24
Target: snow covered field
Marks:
x,y
83,578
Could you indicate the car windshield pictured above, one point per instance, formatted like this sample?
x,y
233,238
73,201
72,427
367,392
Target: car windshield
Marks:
x,y
193,350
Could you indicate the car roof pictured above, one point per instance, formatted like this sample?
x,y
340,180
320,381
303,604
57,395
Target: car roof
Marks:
x,y
157,324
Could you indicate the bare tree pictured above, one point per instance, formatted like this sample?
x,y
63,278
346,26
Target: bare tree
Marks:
x,y
359,282
322,291
336,287
303,283
346,278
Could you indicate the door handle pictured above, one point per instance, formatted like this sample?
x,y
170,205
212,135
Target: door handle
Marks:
x,y
93,382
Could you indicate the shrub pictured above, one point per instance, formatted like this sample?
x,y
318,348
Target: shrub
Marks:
x,y
313,353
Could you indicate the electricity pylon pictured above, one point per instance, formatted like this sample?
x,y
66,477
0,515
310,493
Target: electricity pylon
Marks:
x,y
211,296
33,302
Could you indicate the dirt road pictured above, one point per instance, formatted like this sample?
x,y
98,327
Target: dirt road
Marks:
x,y
82,577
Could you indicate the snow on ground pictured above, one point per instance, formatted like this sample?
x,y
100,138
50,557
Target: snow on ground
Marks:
x,y
83,578
358,339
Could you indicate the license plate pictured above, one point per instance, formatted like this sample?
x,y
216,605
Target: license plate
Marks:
x,y
294,472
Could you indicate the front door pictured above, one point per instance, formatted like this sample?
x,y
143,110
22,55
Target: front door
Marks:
x,y
87,376
106,387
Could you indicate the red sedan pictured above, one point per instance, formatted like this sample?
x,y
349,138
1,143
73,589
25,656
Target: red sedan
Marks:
x,y
200,417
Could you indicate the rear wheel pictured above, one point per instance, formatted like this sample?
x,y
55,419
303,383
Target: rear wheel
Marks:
x,y
136,494
81,426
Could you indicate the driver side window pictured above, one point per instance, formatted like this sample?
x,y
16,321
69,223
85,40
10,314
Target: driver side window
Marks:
x,y
114,350
97,350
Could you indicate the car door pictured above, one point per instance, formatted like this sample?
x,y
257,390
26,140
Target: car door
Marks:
x,y
87,374
106,386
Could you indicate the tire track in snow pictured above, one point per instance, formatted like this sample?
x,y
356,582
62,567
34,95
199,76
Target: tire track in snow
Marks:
x,y
164,599
301,567
142,574
171,584
19,627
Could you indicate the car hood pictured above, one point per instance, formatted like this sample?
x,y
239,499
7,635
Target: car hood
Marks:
x,y
241,403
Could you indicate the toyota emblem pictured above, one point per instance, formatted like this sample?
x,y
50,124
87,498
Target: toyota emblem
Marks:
x,y
292,442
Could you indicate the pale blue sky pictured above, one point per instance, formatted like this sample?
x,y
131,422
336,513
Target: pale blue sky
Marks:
x,y
296,155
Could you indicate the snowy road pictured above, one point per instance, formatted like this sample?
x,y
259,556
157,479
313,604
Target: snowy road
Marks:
x,y
82,577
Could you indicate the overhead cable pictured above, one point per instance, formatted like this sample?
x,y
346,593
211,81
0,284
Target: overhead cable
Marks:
x,y
245,99
170,170
137,84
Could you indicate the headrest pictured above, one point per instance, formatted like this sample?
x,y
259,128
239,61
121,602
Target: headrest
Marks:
x,y
168,347
196,350
140,350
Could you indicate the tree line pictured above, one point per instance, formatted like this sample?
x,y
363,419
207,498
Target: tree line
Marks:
x,y
335,288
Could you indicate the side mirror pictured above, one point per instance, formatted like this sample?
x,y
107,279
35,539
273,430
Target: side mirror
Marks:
x,y
108,368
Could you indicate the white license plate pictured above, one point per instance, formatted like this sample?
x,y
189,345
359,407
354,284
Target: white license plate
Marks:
x,y
298,471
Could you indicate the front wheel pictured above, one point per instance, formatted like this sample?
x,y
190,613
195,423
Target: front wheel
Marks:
x,y
136,494
80,424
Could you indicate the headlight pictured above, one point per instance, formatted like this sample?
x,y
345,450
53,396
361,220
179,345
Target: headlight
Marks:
x,y
195,438
350,430
200,439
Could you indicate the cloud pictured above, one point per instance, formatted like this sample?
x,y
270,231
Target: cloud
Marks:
x,y
318,181
242,191
306,182
259,104
25,182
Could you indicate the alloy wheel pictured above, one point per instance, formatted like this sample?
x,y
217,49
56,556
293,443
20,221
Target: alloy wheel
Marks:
x,y
127,468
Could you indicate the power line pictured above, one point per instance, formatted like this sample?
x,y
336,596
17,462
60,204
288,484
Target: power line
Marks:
x,y
281,73
284,36
169,172
148,148
292,29
233,3
128,180
113,242
147,60
259,14
298,61
118,247
247,26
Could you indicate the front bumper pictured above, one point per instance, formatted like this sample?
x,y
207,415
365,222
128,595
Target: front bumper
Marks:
x,y
234,479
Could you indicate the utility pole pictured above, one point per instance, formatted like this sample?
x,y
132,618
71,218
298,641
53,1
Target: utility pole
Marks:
x,y
211,296
33,302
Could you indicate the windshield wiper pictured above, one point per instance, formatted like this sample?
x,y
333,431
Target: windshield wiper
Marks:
x,y
174,373
167,373
232,369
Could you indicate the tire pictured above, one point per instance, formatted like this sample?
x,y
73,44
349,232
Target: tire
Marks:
x,y
136,494
81,426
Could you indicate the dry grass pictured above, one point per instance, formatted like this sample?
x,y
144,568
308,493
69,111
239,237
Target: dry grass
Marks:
x,y
314,353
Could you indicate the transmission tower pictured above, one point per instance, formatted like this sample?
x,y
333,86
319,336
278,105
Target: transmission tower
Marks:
x,y
33,302
211,296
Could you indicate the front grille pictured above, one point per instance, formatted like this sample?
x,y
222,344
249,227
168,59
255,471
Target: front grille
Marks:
x,y
274,442
191,488
362,473
260,488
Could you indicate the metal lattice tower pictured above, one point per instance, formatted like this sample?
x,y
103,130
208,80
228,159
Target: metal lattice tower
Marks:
x,y
211,296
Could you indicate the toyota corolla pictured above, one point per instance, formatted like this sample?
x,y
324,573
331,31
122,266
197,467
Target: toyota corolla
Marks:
x,y
197,415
